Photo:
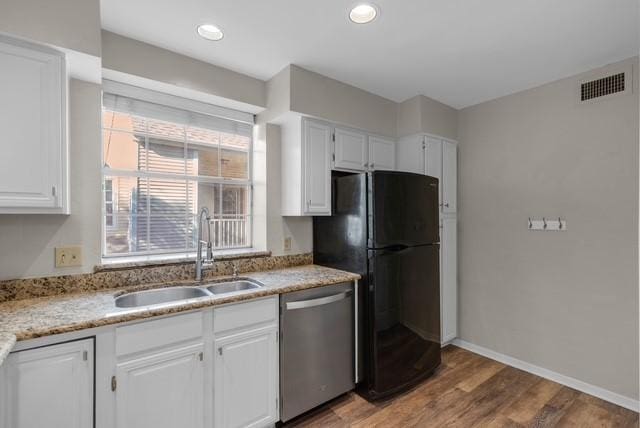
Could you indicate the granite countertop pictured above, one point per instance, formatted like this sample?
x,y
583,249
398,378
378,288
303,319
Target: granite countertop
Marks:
x,y
44,316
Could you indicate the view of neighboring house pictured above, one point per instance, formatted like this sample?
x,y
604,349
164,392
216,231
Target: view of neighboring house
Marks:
x,y
162,174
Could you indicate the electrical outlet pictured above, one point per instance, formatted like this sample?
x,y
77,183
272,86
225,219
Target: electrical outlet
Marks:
x,y
287,243
68,256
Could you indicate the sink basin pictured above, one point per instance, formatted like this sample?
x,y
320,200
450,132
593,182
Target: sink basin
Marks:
x,y
233,286
158,296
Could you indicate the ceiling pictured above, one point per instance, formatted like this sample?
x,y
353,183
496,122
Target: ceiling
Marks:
x,y
460,52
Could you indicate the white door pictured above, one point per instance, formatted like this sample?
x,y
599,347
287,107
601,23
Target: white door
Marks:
x,y
32,119
449,278
246,379
50,386
350,150
382,154
162,390
410,154
433,162
317,168
449,187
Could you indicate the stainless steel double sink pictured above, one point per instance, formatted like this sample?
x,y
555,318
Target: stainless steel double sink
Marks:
x,y
184,293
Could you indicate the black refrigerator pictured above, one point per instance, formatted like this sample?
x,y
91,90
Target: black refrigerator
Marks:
x,y
385,226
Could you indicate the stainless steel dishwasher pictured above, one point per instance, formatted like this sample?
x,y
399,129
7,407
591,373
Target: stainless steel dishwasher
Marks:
x,y
317,347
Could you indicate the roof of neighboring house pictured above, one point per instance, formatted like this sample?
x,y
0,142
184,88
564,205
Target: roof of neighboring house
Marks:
x,y
195,135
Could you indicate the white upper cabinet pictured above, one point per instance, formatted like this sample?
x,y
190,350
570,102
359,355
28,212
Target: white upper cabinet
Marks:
x,y
311,149
449,187
33,115
317,176
50,386
382,153
306,167
350,150
435,157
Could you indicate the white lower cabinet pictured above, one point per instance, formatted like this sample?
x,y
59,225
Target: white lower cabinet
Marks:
x,y
245,374
209,368
51,386
164,389
246,379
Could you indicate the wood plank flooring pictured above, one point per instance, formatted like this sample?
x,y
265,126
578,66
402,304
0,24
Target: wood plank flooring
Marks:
x,y
469,390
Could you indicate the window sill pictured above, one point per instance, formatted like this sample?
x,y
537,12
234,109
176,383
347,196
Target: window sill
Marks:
x,y
121,263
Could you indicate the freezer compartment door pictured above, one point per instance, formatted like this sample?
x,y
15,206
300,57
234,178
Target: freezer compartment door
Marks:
x,y
403,209
340,240
403,310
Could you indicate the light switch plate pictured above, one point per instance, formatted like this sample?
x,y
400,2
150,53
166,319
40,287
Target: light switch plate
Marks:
x,y
68,256
287,243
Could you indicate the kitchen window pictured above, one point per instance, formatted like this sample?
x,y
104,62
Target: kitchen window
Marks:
x,y
162,164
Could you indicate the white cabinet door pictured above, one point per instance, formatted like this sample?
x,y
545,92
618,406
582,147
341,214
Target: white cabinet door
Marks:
x,y
410,154
350,150
162,390
382,154
33,121
317,168
449,278
246,379
433,162
50,386
449,187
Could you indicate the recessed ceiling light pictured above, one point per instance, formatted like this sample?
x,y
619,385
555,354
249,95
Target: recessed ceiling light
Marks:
x,y
363,13
210,32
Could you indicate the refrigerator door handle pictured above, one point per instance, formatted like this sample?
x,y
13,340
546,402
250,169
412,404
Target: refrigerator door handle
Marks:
x,y
300,304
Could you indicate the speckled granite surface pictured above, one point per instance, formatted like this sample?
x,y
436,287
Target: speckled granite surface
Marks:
x,y
30,318
28,288
7,340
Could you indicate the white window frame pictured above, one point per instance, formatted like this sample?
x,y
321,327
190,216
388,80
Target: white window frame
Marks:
x,y
188,105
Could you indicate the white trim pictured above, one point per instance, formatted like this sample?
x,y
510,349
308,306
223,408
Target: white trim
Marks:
x,y
596,391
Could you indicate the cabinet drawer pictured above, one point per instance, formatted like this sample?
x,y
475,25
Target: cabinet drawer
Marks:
x,y
245,314
153,334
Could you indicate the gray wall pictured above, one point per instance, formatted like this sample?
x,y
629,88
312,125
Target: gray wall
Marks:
x,y
27,242
423,114
316,95
136,58
565,301
71,24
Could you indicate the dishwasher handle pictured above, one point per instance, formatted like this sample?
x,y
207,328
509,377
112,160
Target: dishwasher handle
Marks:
x,y
300,304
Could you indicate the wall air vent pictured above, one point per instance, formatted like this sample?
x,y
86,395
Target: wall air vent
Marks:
x,y
601,87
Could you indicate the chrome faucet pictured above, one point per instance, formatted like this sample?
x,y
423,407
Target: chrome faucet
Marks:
x,y
208,261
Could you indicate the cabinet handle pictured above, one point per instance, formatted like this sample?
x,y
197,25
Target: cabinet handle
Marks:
x,y
220,350
114,383
447,205
200,356
372,165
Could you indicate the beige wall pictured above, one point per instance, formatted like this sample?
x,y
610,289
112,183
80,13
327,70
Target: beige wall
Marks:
x,y
422,114
71,24
140,59
27,242
316,95
564,301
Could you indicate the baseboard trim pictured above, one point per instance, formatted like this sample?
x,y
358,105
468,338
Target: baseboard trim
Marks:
x,y
579,385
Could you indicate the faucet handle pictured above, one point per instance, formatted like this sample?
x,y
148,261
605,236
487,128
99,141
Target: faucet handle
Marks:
x,y
209,251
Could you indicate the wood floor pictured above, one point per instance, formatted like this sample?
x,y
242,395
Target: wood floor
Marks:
x,y
470,390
